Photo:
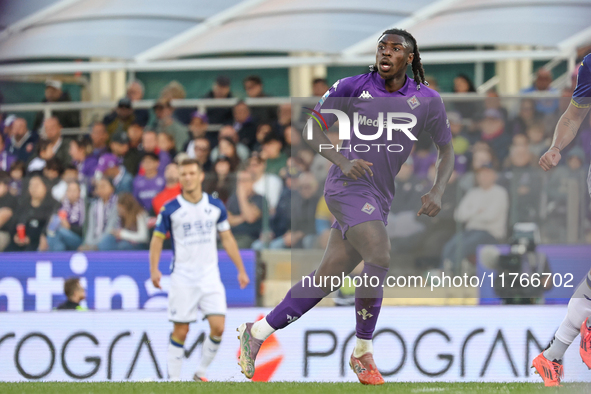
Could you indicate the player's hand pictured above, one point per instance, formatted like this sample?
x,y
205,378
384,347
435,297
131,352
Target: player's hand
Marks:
x,y
550,159
243,279
431,204
356,168
156,276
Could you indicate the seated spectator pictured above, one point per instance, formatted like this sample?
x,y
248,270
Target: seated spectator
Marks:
x,y
150,145
8,209
492,101
135,92
119,146
166,144
482,156
228,131
6,159
17,172
538,143
319,87
52,172
483,211
60,146
523,181
469,109
79,150
109,167
227,148
222,183
280,222
542,84
220,90
134,155
245,209
172,187
147,186
75,294
32,216
272,153
244,124
197,129
320,165
99,138
403,223
527,116
55,94
174,90
432,82
166,123
103,216
69,174
263,130
265,184
253,86
294,142
283,118
121,118
304,201
459,140
22,141
67,231
132,232
44,153
493,132
202,153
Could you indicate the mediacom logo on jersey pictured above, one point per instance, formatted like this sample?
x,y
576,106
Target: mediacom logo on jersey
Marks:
x,y
391,121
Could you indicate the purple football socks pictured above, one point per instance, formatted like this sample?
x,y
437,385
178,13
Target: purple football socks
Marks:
x,y
368,300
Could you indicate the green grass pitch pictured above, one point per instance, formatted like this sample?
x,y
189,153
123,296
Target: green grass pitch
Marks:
x,y
284,388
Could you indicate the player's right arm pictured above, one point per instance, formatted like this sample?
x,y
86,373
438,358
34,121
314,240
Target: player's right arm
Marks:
x,y
322,145
162,227
155,252
569,123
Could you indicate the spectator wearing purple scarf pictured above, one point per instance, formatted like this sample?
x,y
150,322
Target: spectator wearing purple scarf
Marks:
x,y
65,230
86,166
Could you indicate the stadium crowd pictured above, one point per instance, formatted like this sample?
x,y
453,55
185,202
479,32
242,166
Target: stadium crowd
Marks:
x,y
102,190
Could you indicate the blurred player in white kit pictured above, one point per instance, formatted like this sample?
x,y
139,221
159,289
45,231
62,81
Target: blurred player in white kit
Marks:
x,y
193,219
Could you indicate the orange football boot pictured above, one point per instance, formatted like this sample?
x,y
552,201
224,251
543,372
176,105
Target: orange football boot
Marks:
x,y
550,371
366,370
585,349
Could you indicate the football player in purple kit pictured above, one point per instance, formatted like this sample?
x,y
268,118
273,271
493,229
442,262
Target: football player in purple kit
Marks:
x,y
548,364
359,190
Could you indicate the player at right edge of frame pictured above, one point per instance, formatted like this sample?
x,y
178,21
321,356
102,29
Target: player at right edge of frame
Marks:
x,y
548,364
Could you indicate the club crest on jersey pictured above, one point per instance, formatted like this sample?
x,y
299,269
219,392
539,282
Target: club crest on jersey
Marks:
x,y
368,208
365,95
413,102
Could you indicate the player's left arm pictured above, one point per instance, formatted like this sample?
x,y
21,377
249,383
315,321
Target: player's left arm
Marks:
x,y
231,247
445,166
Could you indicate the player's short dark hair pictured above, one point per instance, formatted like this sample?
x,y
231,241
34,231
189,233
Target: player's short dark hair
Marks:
x,y
71,285
190,162
253,78
417,66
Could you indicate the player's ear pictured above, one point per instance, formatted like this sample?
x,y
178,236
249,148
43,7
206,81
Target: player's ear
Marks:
x,y
201,176
411,57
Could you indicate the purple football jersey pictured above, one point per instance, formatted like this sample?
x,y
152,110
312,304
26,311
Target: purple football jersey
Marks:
x,y
145,189
367,96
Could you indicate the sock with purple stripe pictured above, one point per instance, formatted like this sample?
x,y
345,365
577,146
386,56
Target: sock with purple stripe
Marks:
x,y
299,299
368,300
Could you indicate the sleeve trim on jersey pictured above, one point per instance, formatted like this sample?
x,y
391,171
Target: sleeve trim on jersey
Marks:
x,y
573,102
159,234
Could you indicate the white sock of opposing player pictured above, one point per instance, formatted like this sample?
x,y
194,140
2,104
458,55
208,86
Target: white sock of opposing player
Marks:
x,y
261,329
579,308
208,351
362,346
176,353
